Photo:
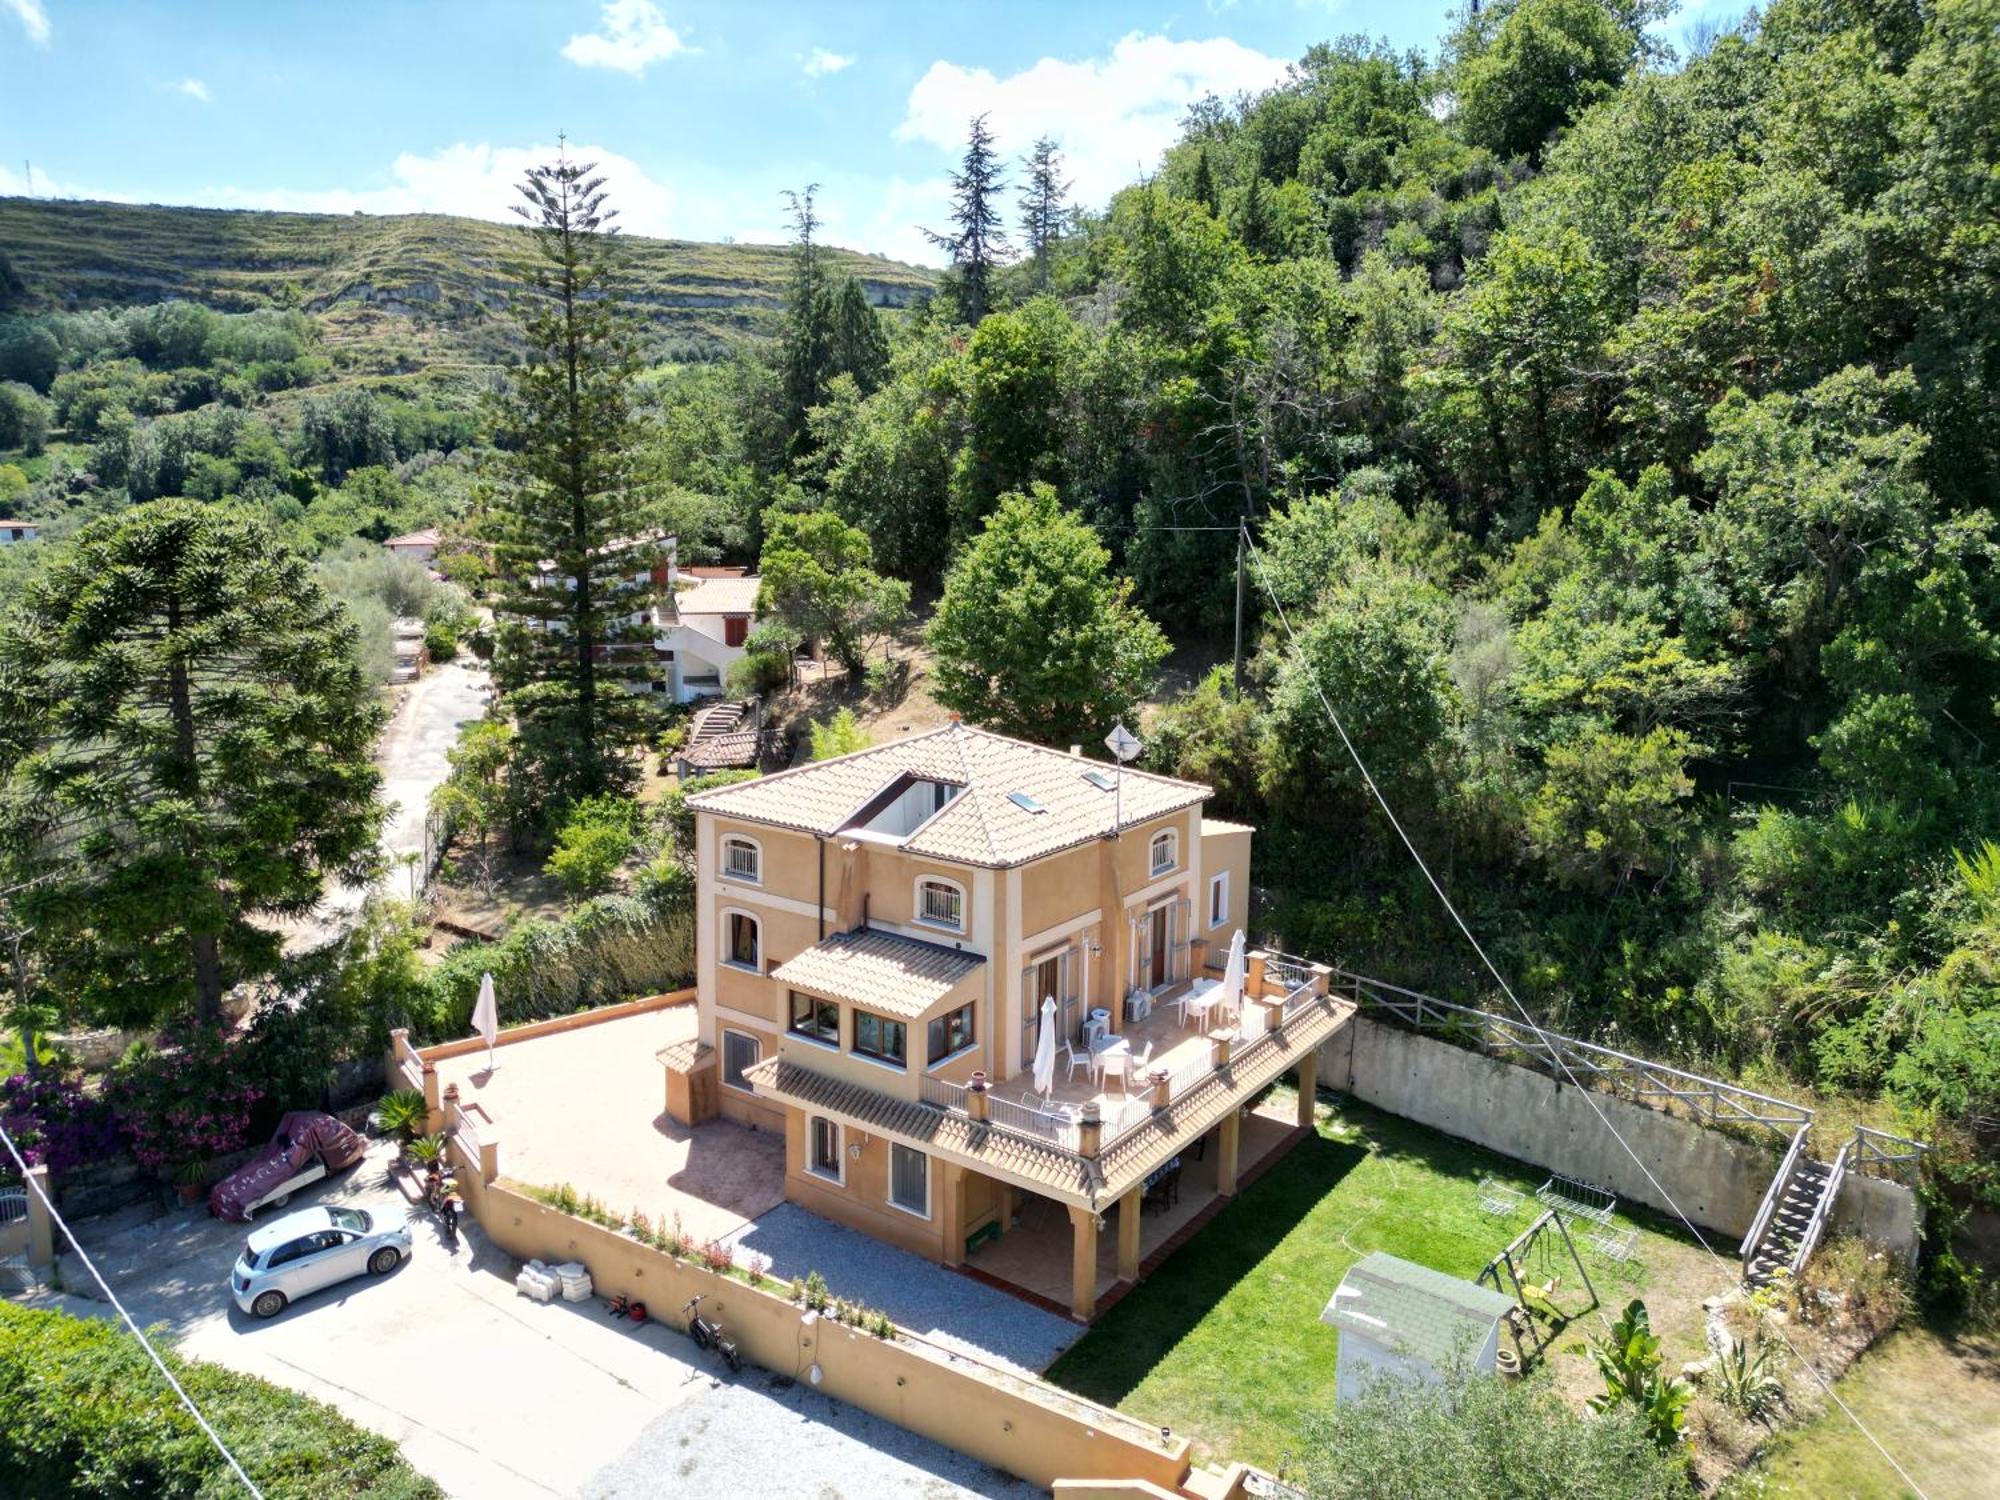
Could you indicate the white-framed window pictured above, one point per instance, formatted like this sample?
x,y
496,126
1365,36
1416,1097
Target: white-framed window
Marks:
x,y
1166,853
823,1149
941,903
742,859
1218,899
742,941
909,1180
739,1053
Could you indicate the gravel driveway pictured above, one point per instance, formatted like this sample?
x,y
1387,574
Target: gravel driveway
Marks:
x,y
497,1397
924,1297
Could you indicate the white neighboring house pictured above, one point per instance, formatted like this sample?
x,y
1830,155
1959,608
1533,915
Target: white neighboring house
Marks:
x,y
19,531
422,545
1408,1322
704,629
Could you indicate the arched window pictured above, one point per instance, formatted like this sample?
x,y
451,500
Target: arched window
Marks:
x,y
1165,854
941,903
742,859
742,941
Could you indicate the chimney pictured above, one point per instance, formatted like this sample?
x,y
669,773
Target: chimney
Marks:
x,y
1089,1131
1077,751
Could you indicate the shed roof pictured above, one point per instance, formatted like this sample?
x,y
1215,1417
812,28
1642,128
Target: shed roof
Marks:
x,y
879,971
1413,1309
986,825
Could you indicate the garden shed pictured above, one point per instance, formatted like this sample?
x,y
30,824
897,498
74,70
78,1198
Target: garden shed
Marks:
x,y
1408,1322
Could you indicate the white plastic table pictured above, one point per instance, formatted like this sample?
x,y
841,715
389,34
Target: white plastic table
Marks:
x,y
1202,997
1111,1056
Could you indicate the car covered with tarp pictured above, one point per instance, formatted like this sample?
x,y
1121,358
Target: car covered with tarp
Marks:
x,y
307,1146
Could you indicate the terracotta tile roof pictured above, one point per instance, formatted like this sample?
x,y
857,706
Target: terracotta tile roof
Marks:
x,y
924,1127
710,570
428,537
720,596
880,971
1220,825
981,827
685,1056
739,751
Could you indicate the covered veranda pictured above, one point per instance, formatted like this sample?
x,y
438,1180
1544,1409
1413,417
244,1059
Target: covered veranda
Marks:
x,y
1037,1247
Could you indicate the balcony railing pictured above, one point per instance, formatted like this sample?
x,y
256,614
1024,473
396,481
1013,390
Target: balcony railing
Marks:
x,y
1058,1130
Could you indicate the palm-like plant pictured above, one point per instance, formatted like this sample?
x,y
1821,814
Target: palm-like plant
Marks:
x,y
1746,1379
401,1113
425,1149
1629,1359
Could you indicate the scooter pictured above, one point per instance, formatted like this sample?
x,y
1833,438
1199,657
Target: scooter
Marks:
x,y
707,1334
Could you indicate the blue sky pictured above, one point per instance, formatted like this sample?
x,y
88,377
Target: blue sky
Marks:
x,y
699,112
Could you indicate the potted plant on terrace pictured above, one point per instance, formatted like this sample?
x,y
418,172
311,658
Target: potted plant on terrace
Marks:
x,y
190,1177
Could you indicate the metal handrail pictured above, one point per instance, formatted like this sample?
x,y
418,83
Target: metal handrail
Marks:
x,y
1877,1148
1822,1211
943,1094
1036,1124
1188,1075
1771,1196
1713,1101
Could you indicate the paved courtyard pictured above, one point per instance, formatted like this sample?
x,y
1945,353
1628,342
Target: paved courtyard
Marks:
x,y
588,1107
498,1397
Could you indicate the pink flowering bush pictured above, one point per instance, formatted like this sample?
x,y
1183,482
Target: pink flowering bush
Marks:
x,y
191,1100
55,1122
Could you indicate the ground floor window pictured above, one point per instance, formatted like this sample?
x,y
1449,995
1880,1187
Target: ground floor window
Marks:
x,y
824,1145
952,1033
739,1052
879,1037
816,1018
910,1180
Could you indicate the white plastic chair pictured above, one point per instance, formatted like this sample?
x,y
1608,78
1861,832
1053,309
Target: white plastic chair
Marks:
x,y
1076,1060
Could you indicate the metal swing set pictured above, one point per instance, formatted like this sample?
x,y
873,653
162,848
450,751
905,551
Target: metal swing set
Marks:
x,y
1537,1316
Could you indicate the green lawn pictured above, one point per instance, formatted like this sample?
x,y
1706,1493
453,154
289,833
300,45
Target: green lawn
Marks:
x,y
1224,1343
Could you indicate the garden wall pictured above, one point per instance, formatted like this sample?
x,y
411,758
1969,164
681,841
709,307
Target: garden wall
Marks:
x,y
1016,1423
1718,1180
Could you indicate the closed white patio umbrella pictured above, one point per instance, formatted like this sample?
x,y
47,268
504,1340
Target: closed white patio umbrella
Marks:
x,y
1233,974
1045,1050
486,1017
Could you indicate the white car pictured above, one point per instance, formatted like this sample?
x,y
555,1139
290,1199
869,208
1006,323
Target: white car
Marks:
x,y
312,1248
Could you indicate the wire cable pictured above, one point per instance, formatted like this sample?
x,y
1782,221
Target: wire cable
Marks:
x,y
112,1297
1548,1046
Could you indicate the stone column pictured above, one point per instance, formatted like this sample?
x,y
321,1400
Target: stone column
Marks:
x,y
1006,1200
951,1209
1308,1076
1128,1235
1083,1263
41,1224
1228,1136
977,1099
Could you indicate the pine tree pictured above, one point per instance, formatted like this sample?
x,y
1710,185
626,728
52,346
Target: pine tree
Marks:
x,y
1204,184
578,559
977,243
1255,226
186,744
859,347
806,353
1044,205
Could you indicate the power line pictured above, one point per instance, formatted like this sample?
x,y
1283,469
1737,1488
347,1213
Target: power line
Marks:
x,y
1548,1047
110,1296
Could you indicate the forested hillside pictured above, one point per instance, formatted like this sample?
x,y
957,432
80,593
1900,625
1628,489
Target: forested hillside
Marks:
x,y
1615,428
392,294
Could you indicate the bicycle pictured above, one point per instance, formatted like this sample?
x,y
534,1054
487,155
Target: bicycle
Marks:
x,y
707,1334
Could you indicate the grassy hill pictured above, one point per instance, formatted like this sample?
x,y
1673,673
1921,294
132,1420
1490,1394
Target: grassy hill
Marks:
x,y
394,293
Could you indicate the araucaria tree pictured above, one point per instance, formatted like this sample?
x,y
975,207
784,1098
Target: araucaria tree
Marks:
x,y
1045,205
578,559
1034,637
976,242
186,744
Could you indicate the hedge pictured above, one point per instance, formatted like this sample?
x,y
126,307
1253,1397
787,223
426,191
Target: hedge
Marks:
x,y
84,1412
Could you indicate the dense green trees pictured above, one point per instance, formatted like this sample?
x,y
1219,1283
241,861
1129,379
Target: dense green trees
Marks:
x,y
185,739
819,582
579,561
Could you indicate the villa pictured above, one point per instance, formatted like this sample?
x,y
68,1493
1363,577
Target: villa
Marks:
x,y
878,938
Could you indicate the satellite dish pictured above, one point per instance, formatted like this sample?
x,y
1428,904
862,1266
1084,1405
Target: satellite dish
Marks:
x,y
1122,743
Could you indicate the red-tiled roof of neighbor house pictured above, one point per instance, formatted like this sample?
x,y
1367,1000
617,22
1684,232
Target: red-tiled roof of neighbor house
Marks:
x,y
33,525
428,537
739,750
879,971
712,570
1018,801
720,596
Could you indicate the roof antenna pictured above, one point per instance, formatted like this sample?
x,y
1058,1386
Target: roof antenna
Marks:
x,y
1124,745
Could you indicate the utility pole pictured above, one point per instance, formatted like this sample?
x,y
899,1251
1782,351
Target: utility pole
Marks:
x,y
1242,535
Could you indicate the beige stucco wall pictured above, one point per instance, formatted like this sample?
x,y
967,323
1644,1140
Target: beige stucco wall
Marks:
x,y
860,1199
1017,1424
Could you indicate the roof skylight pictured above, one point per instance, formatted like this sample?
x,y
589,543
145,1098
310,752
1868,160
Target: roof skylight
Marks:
x,y
1026,803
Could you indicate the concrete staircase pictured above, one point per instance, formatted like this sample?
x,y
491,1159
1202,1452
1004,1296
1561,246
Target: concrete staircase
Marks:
x,y
1799,1208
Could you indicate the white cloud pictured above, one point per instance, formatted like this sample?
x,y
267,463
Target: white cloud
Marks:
x,y
630,34
1112,116
20,185
820,62
33,18
477,181
194,88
